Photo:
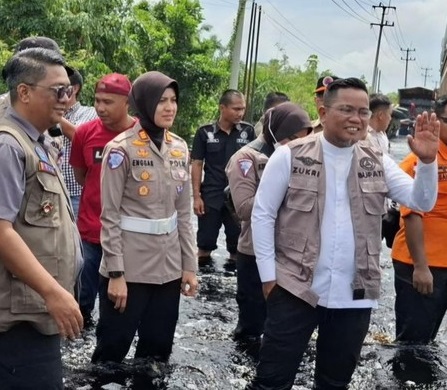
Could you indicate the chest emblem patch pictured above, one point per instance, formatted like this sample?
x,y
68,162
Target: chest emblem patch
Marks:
x,y
177,153
145,175
143,153
143,191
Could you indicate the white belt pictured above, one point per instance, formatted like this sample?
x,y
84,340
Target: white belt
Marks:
x,y
149,226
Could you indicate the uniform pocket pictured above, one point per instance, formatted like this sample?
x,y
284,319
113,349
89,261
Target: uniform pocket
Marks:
x,y
373,194
26,300
179,174
302,200
290,250
374,247
44,202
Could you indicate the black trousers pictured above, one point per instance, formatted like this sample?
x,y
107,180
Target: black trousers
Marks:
x,y
288,328
209,225
29,360
418,316
249,297
152,310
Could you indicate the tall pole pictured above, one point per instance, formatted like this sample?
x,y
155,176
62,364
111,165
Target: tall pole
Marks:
x,y
407,59
249,45
236,55
381,26
253,87
425,74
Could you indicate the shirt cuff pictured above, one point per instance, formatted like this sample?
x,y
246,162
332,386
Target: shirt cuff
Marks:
x,y
267,270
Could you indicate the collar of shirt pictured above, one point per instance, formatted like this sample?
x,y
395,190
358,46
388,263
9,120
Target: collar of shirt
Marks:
x,y
26,126
75,107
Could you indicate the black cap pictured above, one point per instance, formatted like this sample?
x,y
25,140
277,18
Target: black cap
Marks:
x,y
323,82
44,43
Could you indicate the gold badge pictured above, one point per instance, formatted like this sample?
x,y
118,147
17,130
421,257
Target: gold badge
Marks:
x,y
145,175
143,153
168,137
143,191
177,153
143,135
137,142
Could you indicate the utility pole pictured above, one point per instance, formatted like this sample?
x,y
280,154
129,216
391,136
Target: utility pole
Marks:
x,y
406,59
425,74
236,55
381,25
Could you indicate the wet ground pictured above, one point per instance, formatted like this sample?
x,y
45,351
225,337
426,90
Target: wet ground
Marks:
x,y
206,358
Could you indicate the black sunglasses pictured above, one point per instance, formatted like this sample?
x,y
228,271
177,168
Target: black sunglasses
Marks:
x,y
60,91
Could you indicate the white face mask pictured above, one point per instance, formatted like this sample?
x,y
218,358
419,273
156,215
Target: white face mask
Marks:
x,y
276,145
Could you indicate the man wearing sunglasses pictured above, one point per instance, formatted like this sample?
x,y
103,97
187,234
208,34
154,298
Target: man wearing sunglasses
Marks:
x,y
90,138
75,115
40,253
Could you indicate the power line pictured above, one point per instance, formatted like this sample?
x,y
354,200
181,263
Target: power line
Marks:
x,y
354,12
366,10
281,27
344,10
313,46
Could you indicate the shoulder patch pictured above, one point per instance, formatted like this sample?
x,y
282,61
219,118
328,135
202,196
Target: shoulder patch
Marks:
x,y
245,165
115,158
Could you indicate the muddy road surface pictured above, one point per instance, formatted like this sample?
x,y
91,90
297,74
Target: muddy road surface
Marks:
x,y
206,358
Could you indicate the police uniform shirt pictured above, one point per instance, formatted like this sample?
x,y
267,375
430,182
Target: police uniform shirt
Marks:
x,y
215,147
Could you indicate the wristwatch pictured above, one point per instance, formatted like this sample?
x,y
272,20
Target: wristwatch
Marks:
x,y
115,274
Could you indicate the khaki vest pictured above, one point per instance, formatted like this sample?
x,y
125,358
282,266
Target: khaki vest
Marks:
x,y
45,224
297,233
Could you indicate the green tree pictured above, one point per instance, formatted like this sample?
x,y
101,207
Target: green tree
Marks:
x,y
170,30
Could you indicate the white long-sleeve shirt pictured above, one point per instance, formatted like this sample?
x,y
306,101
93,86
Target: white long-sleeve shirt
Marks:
x,y
335,267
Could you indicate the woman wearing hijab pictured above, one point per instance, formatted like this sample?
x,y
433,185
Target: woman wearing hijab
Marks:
x,y
147,237
282,124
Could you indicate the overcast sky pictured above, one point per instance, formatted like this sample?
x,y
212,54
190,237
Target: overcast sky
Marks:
x,y
339,32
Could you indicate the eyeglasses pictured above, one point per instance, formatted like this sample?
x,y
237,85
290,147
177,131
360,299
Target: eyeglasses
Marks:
x,y
349,111
59,91
443,118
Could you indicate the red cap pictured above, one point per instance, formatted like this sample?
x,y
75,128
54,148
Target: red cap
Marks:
x,y
115,83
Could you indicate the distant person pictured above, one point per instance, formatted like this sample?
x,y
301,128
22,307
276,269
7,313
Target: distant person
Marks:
x,y
419,255
147,236
213,145
86,157
271,100
322,83
381,110
76,114
40,252
282,124
316,234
